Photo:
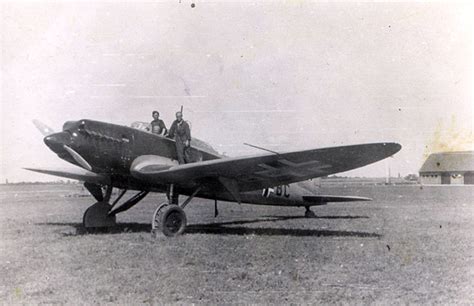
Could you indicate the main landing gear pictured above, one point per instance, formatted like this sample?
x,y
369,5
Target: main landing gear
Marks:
x,y
102,214
169,217
96,216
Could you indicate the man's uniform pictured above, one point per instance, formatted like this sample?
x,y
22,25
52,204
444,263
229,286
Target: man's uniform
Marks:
x,y
181,133
158,126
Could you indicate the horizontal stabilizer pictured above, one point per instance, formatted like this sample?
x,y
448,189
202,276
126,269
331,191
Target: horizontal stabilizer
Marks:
x,y
323,199
75,174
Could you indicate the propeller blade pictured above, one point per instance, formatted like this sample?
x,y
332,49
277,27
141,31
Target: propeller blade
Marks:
x,y
43,128
78,158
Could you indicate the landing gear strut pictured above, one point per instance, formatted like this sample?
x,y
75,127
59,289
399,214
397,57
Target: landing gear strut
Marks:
x,y
102,214
309,213
169,217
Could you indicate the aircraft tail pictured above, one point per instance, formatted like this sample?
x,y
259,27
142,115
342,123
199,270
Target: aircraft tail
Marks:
x,y
324,199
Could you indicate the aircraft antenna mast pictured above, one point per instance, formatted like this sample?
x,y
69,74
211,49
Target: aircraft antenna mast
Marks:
x,y
260,148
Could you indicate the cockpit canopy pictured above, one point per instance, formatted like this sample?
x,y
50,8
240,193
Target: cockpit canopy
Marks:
x,y
146,127
142,126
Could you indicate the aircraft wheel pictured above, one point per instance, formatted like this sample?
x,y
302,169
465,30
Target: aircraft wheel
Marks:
x,y
96,216
156,221
171,219
309,213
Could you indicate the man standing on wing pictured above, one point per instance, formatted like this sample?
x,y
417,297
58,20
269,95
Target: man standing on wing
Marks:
x,y
181,133
157,125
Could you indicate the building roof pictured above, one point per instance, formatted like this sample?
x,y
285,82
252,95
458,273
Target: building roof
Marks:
x,y
449,162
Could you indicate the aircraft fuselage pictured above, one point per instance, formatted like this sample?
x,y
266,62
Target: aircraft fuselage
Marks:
x,y
111,149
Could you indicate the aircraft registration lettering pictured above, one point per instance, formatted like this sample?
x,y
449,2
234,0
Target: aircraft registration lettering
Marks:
x,y
283,190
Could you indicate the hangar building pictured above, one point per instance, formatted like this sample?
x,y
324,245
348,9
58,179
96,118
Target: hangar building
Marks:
x,y
448,168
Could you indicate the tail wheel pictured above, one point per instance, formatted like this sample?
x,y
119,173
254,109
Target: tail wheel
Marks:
x,y
170,219
309,213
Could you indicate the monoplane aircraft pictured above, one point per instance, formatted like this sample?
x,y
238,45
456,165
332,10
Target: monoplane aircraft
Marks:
x,y
130,158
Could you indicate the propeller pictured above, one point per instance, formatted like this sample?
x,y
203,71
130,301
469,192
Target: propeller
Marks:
x,y
55,140
78,158
43,128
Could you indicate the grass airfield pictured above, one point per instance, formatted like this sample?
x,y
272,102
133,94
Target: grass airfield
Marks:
x,y
410,245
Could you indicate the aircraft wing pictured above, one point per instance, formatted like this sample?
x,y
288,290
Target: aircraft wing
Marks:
x,y
75,174
241,174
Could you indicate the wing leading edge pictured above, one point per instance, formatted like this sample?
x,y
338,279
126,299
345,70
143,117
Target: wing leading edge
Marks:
x,y
75,174
262,171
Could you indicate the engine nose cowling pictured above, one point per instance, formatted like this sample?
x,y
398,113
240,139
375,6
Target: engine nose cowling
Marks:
x,y
57,141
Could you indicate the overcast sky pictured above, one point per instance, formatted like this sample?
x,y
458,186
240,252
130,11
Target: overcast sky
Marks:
x,y
279,75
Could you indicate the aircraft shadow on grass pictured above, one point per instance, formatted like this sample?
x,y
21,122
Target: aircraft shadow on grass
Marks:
x,y
230,228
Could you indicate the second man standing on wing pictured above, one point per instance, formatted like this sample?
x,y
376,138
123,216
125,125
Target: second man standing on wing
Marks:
x,y
181,133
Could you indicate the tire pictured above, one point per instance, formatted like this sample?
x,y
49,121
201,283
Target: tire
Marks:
x,y
309,214
96,216
156,221
172,220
